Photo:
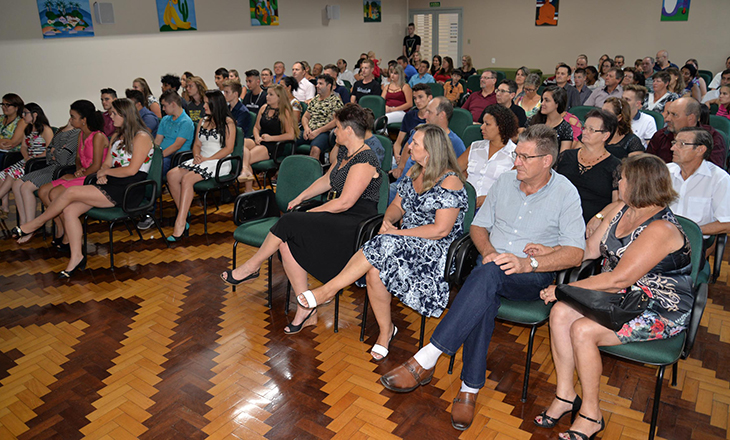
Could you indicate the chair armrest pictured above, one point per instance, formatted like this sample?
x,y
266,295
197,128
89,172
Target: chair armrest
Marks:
x,y
90,179
62,171
144,207
462,256
720,243
694,320
35,163
235,169
380,124
367,229
11,158
179,157
281,150
254,206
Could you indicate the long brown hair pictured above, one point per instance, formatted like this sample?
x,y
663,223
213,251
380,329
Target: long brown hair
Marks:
x,y
441,156
620,107
132,123
286,112
200,85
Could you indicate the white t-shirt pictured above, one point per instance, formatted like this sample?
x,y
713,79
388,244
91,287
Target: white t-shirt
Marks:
x,y
644,128
306,90
715,83
347,76
705,196
484,170
709,96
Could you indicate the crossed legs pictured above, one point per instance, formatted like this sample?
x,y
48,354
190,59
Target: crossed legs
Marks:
x,y
181,181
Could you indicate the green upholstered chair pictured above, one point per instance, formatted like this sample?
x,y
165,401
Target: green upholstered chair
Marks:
x,y
437,89
706,75
348,85
270,166
377,105
580,111
256,212
658,118
472,134
252,123
219,181
663,353
472,83
460,120
388,157
152,185
721,124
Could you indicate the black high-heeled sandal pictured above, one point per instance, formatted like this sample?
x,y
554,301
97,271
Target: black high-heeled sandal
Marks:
x,y
79,267
549,422
234,282
576,435
16,232
294,329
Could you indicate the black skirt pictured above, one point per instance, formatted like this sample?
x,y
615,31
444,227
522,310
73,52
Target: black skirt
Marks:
x,y
322,242
115,187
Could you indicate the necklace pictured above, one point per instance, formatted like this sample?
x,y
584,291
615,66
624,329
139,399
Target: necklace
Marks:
x,y
584,164
349,156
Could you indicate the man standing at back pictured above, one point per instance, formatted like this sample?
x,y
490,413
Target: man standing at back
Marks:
x,y
411,43
367,85
479,100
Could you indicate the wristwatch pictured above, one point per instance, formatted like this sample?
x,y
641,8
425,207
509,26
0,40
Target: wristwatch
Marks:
x,y
533,263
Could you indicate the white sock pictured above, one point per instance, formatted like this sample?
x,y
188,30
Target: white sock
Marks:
x,y
427,356
467,389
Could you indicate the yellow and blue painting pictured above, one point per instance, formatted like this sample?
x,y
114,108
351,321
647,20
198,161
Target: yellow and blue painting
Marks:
x,y
65,19
675,10
176,15
264,12
372,11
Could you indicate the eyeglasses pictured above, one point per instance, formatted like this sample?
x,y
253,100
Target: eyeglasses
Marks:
x,y
530,90
5,104
524,157
502,91
593,130
683,144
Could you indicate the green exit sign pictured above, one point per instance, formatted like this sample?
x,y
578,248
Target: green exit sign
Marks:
x,y
435,4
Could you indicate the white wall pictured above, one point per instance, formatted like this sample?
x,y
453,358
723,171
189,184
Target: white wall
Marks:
x,y
56,72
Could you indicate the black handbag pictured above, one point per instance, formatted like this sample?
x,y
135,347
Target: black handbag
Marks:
x,y
611,310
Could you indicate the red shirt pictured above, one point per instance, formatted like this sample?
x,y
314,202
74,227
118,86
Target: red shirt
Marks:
x,y
661,145
477,102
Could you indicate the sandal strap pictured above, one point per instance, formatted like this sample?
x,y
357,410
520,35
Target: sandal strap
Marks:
x,y
576,435
565,400
597,422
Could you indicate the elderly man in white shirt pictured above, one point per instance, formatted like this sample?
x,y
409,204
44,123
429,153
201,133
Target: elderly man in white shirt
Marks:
x,y
703,187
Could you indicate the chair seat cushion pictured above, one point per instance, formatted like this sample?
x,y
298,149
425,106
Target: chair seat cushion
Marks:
x,y
263,165
304,149
254,232
394,126
106,214
660,352
524,312
209,184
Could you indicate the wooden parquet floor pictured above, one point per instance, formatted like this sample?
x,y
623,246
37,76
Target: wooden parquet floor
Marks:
x,y
161,349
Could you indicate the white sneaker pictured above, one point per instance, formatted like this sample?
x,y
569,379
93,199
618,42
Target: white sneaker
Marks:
x,y
146,223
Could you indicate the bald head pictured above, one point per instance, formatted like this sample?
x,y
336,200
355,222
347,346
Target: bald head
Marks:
x,y
662,57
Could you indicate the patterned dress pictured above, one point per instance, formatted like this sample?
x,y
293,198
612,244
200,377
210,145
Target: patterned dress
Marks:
x,y
668,284
115,187
36,147
412,268
211,143
61,152
8,129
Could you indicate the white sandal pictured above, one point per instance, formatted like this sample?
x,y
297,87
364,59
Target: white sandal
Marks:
x,y
311,300
380,350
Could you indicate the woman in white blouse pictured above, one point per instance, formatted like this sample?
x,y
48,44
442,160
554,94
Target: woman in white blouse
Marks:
x,y
484,161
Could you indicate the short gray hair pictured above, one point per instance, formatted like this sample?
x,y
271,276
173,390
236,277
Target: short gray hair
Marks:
x,y
444,105
702,137
544,137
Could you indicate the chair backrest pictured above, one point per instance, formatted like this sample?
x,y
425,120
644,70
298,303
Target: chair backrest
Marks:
x,y
472,133
472,83
348,85
460,120
580,111
720,123
155,172
658,118
384,192
252,122
388,157
436,89
500,76
714,108
469,216
295,175
375,103
706,75
694,235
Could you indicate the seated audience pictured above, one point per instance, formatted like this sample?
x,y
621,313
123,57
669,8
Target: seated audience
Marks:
x,y
700,80
435,65
647,71
233,74
306,90
467,68
444,73
314,242
61,152
317,70
591,168
643,125
692,82
152,103
484,161
684,112
715,83
723,107
176,130
479,99
150,120
520,77
662,61
408,69
12,125
278,72
344,74
712,96
214,140
505,94
267,78
579,79
513,266
553,105
107,96
255,97
676,81
431,204
658,99
413,118
593,80
169,82
422,77
398,96
613,88
367,84
128,162
624,142
221,74
319,118
453,89
530,101
642,247
562,76
342,91
196,104
308,72
605,66
618,61
291,85
232,93
38,134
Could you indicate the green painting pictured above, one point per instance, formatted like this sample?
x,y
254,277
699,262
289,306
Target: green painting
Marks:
x,y
372,11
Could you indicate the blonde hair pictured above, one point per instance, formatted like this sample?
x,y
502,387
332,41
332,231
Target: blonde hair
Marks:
x,y
132,125
200,85
286,112
469,62
441,156
401,75
145,88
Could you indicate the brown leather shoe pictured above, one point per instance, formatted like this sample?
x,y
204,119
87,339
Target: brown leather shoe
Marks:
x,y
462,413
407,377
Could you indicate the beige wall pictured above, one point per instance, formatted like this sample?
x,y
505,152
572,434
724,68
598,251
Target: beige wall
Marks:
x,y
56,72
505,30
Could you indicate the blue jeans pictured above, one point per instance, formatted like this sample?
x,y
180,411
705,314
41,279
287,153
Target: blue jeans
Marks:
x,y
470,319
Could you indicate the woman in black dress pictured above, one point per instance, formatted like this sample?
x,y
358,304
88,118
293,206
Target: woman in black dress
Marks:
x,y
624,142
320,241
591,168
554,103
127,162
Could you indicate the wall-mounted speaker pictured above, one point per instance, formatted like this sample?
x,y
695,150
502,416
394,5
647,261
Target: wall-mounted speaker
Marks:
x,y
333,12
104,13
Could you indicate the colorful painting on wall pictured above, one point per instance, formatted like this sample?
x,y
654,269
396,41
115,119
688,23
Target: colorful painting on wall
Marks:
x,y
62,19
372,11
264,12
546,13
176,15
675,10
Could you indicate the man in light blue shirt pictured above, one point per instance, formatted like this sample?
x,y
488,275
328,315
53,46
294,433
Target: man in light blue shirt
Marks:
x,y
529,227
176,130
423,76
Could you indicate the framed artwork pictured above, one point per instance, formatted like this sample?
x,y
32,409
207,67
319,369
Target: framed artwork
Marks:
x,y
264,12
546,12
176,15
65,19
372,11
675,10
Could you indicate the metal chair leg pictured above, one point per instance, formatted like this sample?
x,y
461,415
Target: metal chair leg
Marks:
x,y
423,331
86,231
655,407
337,311
288,298
111,244
235,246
159,228
271,262
364,317
528,363
674,374
205,211
451,363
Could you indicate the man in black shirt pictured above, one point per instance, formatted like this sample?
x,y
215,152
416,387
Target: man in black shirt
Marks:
x,y
256,96
411,43
505,94
367,85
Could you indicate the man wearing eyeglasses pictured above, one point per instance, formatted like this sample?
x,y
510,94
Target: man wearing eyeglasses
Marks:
x,y
478,101
505,94
684,112
703,188
529,227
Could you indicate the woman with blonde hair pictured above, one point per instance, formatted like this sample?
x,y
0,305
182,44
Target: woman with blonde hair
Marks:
x,y
196,90
128,162
152,103
398,95
467,68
